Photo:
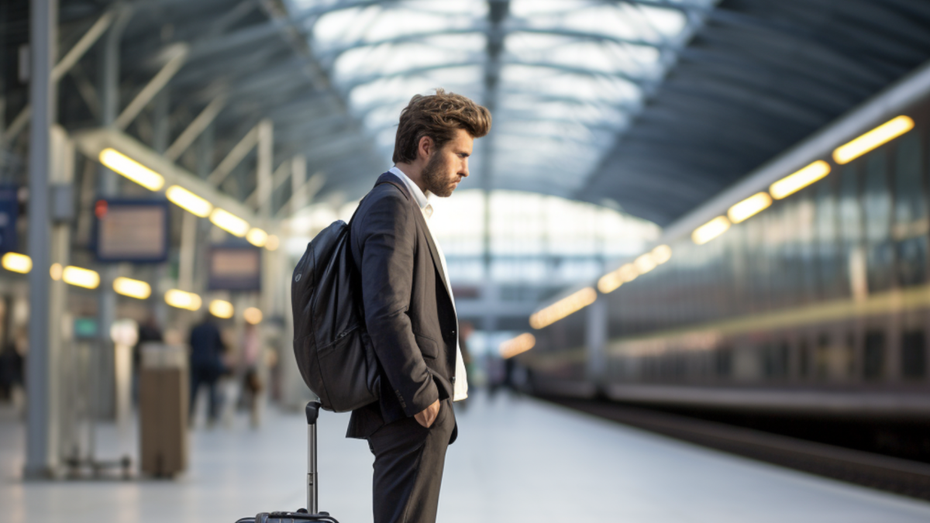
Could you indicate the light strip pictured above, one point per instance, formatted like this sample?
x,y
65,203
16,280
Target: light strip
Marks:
x,y
188,201
257,237
229,222
252,316
563,308
272,243
645,263
137,289
710,230
749,207
518,345
881,135
80,277
135,171
15,262
662,254
183,300
221,309
798,180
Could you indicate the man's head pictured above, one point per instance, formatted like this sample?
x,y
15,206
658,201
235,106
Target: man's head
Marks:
x,y
435,138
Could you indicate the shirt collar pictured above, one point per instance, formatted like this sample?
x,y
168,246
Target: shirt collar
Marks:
x,y
418,194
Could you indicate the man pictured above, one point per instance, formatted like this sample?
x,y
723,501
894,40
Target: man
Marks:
x,y
409,309
206,365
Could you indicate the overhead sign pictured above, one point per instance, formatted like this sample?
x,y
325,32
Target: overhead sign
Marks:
x,y
131,230
9,210
235,267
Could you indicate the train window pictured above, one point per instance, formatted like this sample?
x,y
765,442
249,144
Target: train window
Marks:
x,y
910,227
850,220
723,361
804,359
877,203
873,357
913,355
830,273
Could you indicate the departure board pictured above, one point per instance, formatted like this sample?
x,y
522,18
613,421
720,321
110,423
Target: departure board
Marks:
x,y
235,267
131,230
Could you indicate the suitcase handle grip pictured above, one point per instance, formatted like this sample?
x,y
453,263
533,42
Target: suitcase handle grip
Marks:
x,y
313,412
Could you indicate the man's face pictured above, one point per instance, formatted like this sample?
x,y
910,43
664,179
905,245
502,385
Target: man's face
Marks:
x,y
448,165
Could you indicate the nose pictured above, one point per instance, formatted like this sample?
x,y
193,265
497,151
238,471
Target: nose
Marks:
x,y
463,172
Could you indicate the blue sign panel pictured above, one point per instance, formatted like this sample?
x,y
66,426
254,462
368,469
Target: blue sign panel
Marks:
x,y
235,267
131,230
9,210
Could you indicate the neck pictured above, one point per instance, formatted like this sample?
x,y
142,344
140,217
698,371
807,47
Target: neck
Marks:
x,y
414,171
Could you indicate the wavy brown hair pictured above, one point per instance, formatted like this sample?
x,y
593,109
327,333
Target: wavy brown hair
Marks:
x,y
437,116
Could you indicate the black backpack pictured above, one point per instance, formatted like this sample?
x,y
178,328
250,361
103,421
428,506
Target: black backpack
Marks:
x,y
333,350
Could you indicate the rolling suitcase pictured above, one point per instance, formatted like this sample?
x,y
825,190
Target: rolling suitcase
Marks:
x,y
311,512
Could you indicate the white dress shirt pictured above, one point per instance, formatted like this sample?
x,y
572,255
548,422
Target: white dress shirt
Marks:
x,y
460,385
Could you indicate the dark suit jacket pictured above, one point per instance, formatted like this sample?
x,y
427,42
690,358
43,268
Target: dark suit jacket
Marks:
x,y
408,311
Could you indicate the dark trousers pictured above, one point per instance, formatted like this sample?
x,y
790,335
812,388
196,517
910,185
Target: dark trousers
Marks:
x,y
408,467
205,375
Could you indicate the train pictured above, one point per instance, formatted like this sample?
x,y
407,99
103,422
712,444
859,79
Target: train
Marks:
x,y
804,288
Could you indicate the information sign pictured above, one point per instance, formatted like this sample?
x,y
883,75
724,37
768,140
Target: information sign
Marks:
x,y
235,267
131,230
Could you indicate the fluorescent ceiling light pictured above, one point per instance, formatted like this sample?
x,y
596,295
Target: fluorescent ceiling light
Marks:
x,y
80,277
876,137
662,254
257,237
183,300
252,316
188,201
518,345
135,171
645,263
563,308
710,230
272,243
798,180
16,262
221,309
749,207
55,271
137,289
229,222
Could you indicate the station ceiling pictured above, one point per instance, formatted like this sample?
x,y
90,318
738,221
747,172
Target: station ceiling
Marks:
x,y
650,105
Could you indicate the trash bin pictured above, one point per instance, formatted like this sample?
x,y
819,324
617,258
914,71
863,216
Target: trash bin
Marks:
x,y
163,403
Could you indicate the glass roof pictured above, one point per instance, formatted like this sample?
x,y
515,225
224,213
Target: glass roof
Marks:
x,y
563,77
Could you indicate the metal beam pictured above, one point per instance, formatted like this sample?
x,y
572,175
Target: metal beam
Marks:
x,y
93,141
236,154
179,54
62,67
197,126
480,60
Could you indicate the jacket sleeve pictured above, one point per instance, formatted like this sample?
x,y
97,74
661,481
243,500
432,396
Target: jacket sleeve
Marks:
x,y
386,242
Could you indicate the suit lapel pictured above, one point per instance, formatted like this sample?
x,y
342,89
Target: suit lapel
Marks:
x,y
391,178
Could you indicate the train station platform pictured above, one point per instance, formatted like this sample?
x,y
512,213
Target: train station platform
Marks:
x,y
517,460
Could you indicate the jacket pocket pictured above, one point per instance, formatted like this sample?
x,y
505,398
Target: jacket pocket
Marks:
x,y
428,347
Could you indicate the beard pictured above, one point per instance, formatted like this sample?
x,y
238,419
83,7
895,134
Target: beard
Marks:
x,y
435,177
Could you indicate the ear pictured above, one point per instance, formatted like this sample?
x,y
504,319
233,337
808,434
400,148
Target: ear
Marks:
x,y
425,147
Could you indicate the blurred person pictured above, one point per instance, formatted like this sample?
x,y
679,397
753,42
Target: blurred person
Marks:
x,y
409,308
11,369
149,332
206,365
249,370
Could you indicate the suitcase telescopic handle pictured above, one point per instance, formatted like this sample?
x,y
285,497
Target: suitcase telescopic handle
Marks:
x,y
313,412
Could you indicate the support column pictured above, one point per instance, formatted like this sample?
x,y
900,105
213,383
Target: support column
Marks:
x,y
41,425
108,186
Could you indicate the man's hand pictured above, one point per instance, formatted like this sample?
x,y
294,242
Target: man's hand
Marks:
x,y
428,415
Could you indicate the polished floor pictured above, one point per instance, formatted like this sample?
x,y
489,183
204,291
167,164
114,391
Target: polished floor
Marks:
x,y
517,460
